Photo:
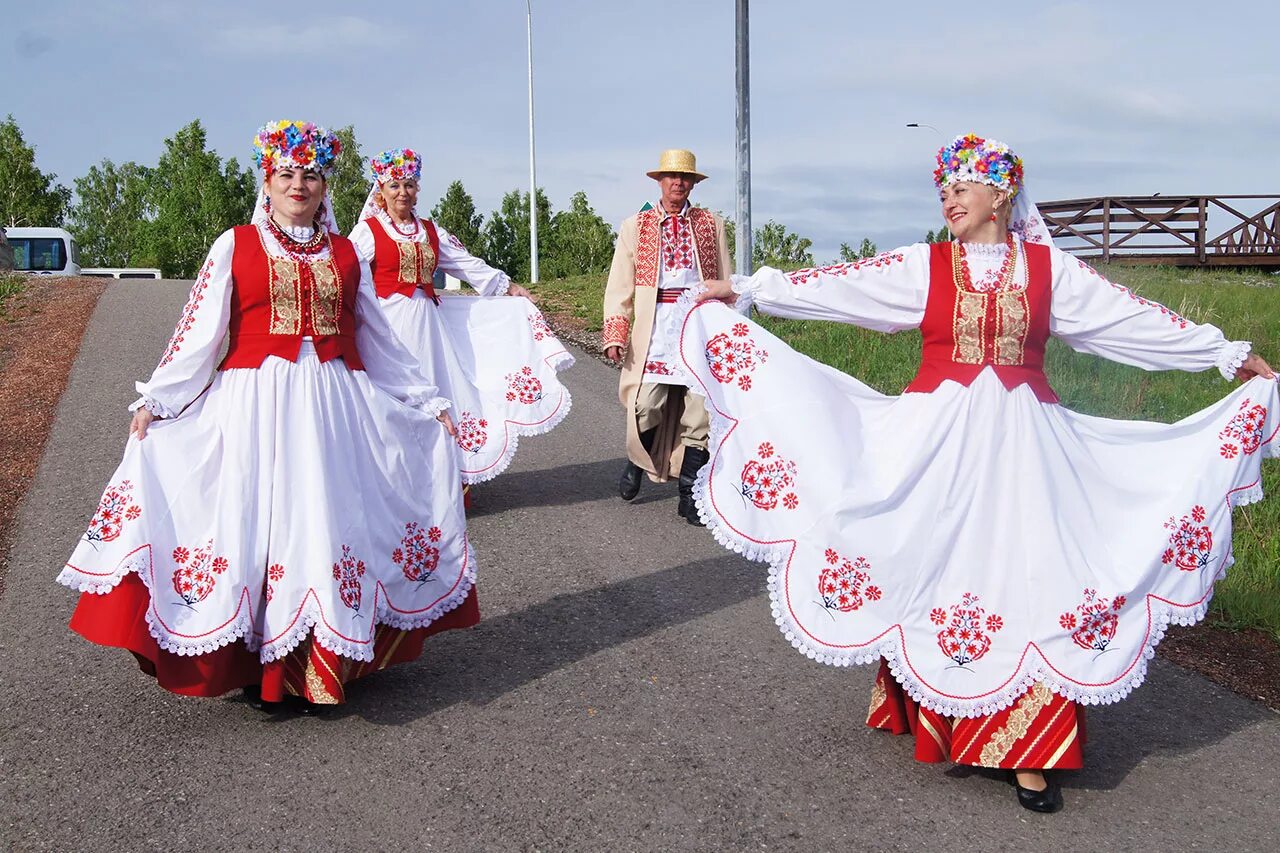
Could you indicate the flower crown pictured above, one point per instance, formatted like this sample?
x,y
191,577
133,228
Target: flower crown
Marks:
x,y
398,164
984,161
295,145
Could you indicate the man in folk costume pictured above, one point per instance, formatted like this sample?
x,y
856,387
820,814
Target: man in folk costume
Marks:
x,y
661,252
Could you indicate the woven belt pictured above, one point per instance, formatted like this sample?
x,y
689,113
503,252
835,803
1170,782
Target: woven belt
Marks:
x,y
667,296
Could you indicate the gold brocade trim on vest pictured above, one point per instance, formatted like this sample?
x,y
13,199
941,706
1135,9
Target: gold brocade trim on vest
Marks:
x,y
1016,725
417,261
1011,326
1006,307
967,323
878,695
326,301
283,287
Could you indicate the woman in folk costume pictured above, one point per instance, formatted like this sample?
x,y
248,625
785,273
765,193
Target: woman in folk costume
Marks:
x,y
496,359
1005,558
289,519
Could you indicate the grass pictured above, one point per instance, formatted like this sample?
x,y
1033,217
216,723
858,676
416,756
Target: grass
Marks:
x,y
1246,305
11,284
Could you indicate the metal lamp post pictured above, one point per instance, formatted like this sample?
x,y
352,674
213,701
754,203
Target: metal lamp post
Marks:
x,y
743,81
533,175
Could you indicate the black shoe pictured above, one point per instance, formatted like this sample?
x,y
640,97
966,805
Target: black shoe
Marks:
x,y
694,459
303,708
629,482
253,695
1047,801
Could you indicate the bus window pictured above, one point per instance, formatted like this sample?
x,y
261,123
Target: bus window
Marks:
x,y
38,254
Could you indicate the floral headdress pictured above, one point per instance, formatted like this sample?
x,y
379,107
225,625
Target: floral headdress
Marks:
x,y
984,161
397,164
295,145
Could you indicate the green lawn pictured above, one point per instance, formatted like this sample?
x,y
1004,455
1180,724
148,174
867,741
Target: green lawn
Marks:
x,y
1246,305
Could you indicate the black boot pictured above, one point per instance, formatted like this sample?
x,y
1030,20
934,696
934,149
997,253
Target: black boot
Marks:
x,y
629,482
694,459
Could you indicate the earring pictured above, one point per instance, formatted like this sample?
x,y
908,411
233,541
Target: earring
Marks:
x,y
993,216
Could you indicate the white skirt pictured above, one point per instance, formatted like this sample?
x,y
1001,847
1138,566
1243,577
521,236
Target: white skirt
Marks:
x,y
287,499
497,360
978,539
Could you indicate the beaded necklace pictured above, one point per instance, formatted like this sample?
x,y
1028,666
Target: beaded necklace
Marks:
x,y
960,267
315,244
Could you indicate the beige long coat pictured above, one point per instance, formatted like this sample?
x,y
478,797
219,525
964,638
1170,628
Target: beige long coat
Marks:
x,y
630,301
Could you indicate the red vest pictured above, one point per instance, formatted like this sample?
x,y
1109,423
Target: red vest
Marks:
x,y
966,331
402,266
275,302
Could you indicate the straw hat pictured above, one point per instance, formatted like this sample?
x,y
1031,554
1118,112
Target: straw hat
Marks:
x,y
680,161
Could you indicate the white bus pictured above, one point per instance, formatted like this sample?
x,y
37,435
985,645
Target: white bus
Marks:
x,y
44,251
121,272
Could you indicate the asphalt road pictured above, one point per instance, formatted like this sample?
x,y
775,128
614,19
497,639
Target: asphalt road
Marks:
x,y
626,690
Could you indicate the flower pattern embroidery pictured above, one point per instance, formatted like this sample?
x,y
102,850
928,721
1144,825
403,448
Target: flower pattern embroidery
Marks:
x,y
877,262
541,331
769,479
1177,320
116,507
962,638
472,432
1190,543
1094,627
348,571
733,358
197,573
1243,433
845,585
188,318
524,386
275,574
418,555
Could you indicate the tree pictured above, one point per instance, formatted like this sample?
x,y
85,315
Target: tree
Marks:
x,y
349,183
848,254
110,215
580,242
506,233
456,211
775,246
943,236
195,198
27,195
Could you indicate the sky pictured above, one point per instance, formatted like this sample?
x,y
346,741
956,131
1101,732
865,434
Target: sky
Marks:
x,y
1099,98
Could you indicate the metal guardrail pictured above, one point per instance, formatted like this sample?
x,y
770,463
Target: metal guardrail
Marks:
x,y
1177,230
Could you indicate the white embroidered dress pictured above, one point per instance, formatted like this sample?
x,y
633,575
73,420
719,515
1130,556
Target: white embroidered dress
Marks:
x,y
977,538
496,359
290,498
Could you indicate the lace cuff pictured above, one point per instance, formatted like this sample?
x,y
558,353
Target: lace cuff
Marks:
x,y
503,287
1230,356
155,407
432,406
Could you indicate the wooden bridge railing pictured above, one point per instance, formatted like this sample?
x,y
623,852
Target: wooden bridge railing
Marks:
x,y
1179,230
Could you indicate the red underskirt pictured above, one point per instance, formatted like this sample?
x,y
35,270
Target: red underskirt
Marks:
x,y
118,619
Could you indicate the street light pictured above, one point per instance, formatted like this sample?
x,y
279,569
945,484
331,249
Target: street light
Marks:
x,y
743,79
533,175
918,124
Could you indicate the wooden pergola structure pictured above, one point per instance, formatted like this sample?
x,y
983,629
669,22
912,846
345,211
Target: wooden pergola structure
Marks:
x,y
1186,231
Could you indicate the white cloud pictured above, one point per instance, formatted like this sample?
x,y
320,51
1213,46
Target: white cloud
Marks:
x,y
312,42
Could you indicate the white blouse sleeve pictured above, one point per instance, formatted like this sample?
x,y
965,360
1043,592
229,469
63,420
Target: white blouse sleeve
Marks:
x,y
1094,315
458,262
188,362
386,361
886,293
362,238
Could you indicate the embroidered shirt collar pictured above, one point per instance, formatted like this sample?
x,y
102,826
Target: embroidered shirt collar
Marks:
x,y
663,215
